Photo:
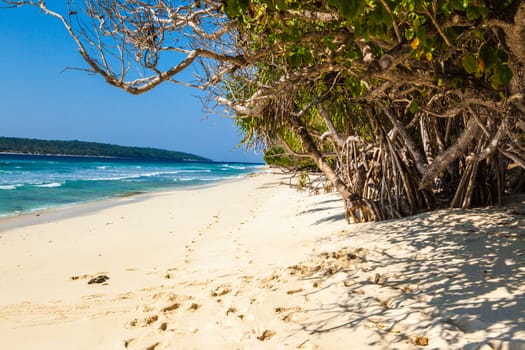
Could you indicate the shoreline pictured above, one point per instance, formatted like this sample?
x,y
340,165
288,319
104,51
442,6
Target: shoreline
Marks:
x,y
60,186
256,264
54,213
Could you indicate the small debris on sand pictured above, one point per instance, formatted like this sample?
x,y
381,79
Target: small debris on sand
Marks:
x,y
98,279
267,334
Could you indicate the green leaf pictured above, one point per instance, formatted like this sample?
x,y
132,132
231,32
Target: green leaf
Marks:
x,y
446,10
470,63
354,53
243,4
271,38
409,33
502,55
280,5
458,5
457,83
232,9
422,35
308,57
295,59
451,33
504,74
350,9
479,34
484,10
301,50
355,86
473,12
331,45
488,54
380,15
494,82
414,107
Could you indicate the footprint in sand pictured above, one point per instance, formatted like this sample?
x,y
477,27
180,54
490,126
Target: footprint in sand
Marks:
x,y
194,307
144,322
270,281
231,310
171,307
281,309
289,312
221,290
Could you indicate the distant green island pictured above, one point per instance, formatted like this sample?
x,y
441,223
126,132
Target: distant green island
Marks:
x,y
91,149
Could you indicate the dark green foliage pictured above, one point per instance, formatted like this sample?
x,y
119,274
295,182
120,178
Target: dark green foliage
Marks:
x,y
276,156
403,105
80,148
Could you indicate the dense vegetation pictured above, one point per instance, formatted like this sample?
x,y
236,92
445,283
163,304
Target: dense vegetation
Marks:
x,y
403,105
80,148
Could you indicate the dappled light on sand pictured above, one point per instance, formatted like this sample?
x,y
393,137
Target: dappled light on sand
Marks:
x,y
275,269
446,279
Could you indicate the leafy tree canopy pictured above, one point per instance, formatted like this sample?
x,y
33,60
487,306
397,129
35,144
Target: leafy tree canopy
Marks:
x,y
93,149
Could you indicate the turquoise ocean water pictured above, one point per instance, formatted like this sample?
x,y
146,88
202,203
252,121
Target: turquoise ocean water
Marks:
x,y
29,183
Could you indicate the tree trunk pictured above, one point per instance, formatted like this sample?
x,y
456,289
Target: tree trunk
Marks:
x,y
312,149
450,154
516,42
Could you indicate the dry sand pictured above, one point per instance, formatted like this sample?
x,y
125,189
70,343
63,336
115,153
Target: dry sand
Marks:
x,y
256,265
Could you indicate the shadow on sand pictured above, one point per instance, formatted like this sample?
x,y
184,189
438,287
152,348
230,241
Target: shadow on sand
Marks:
x,y
454,277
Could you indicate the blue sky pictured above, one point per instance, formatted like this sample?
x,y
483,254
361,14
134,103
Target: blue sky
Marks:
x,y
40,100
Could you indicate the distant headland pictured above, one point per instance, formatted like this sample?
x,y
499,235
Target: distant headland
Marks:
x,y
91,149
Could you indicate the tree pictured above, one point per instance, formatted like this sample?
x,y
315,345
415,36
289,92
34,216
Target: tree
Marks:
x,y
137,45
403,105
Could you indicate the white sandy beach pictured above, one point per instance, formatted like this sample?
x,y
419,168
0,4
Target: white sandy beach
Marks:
x,y
254,264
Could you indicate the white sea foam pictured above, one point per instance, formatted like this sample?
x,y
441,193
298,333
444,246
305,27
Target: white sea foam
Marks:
x,y
9,187
50,185
130,176
185,179
221,178
113,178
207,179
236,167
192,171
153,174
156,173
